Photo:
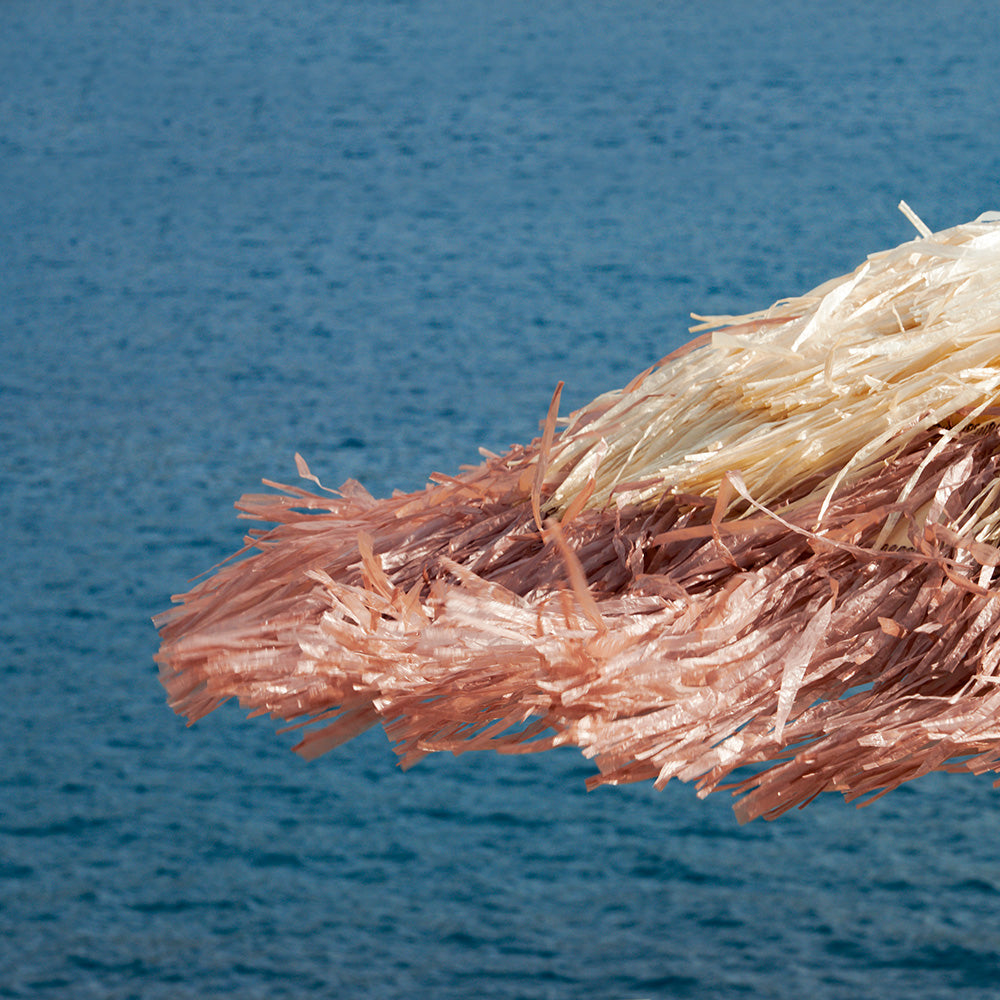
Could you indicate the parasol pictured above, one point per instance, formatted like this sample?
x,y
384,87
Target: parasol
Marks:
x,y
768,563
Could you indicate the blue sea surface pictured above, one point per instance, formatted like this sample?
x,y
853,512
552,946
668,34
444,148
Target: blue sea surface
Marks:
x,y
378,233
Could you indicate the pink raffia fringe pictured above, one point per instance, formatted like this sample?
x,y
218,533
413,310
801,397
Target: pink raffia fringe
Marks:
x,y
775,550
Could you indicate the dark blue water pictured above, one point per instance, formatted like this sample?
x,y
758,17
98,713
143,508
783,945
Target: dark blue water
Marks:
x,y
379,233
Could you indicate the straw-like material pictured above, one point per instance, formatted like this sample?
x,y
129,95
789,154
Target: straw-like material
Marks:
x,y
776,548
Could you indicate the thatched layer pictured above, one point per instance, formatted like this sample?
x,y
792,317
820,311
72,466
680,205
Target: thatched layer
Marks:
x,y
713,568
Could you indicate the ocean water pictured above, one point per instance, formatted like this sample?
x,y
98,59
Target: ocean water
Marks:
x,y
378,233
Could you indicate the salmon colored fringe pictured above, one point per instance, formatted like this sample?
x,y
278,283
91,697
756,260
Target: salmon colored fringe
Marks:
x,y
843,641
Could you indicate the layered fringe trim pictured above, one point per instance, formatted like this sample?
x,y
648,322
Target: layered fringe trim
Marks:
x,y
778,635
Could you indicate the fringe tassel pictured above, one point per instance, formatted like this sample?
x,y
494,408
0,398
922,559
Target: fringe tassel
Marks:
x,y
738,585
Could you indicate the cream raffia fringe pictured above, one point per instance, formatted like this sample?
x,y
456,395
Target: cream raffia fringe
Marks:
x,y
826,385
775,548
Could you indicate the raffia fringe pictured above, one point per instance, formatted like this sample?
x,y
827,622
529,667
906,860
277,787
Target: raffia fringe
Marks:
x,y
766,564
